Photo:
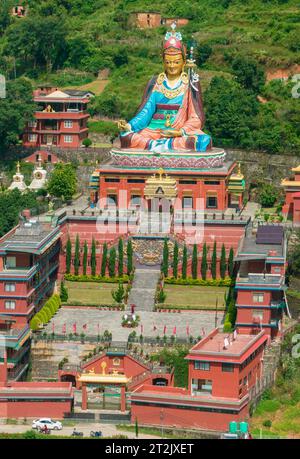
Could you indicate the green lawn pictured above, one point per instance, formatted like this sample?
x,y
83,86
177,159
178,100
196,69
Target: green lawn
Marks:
x,y
90,293
195,296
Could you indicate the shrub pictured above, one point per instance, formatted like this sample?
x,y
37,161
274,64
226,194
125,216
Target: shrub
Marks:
x,y
267,406
227,327
87,142
63,292
267,423
35,323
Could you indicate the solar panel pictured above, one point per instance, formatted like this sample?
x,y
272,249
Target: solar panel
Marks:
x,y
268,234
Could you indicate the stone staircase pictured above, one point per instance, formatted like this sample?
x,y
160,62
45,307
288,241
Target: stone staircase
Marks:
x,y
271,361
142,293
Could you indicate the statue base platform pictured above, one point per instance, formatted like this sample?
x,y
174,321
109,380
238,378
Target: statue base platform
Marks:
x,y
182,160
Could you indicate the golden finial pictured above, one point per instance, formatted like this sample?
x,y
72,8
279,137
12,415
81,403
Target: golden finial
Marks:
x,y
161,172
103,366
18,167
239,169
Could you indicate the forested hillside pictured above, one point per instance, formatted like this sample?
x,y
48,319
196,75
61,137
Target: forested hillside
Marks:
x,y
67,42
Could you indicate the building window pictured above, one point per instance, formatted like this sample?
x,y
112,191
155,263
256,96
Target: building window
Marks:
x,y
211,202
68,123
112,200
112,180
68,138
258,297
211,182
135,180
258,313
187,182
32,137
11,262
135,200
201,386
187,202
10,287
201,365
227,367
32,124
10,304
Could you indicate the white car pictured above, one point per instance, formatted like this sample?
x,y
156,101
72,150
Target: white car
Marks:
x,y
41,423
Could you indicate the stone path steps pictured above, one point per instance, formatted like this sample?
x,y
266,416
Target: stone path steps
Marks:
x,y
143,289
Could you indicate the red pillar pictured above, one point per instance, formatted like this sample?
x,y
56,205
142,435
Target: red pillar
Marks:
x,y
84,397
123,399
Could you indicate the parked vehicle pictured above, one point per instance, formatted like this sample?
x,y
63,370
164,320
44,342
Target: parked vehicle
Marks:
x,y
75,433
51,425
96,434
45,431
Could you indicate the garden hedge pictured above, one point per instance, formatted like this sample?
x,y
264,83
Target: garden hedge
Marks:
x,y
46,313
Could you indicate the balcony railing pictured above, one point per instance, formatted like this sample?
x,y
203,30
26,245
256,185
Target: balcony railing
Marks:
x,y
257,278
16,372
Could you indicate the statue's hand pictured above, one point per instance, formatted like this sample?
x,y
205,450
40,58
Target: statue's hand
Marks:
x,y
171,133
123,125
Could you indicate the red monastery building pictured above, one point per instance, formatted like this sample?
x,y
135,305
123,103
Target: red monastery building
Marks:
x,y
60,119
225,371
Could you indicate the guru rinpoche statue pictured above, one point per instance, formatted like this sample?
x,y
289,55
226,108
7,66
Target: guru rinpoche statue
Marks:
x,y
170,117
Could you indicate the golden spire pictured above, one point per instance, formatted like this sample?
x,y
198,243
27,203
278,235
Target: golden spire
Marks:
x,y
40,160
18,167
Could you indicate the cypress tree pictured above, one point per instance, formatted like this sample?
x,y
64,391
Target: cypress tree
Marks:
x,y
204,262
112,262
63,292
68,255
93,258
129,257
195,262
223,262
175,260
184,262
85,255
104,260
77,256
165,262
214,262
121,257
231,262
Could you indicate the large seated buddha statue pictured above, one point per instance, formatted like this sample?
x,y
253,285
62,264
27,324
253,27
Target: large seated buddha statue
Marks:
x,y
170,117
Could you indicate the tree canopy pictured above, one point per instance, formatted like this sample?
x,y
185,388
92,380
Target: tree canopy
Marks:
x,y
62,182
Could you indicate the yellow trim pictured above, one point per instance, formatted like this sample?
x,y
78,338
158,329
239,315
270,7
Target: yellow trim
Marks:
x,y
286,182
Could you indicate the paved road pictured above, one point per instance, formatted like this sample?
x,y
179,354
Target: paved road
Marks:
x,y
107,430
152,323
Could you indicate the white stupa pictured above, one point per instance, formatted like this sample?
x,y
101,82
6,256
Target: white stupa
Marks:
x,y
39,176
18,180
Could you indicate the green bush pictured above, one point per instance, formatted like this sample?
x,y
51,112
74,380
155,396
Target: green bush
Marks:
x,y
89,278
267,423
227,282
227,327
35,323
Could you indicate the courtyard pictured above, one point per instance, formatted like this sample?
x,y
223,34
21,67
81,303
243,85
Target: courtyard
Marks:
x,y
92,322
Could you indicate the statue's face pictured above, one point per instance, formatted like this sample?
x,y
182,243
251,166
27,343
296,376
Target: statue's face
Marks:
x,y
173,64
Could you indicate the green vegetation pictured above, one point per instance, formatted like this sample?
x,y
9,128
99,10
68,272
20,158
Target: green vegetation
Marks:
x,y
120,257
90,293
214,262
129,257
63,181
68,255
175,260
85,257
165,261
11,204
268,195
184,262
77,256
175,358
118,295
204,262
279,408
104,260
194,262
99,279
194,297
46,313
227,282
93,257
63,292
112,262
223,262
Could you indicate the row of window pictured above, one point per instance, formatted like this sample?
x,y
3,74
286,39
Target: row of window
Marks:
x,y
67,124
252,356
187,201
181,182
33,138
226,367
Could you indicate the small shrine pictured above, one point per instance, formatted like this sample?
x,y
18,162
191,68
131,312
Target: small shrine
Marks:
x,y
236,188
291,186
18,181
39,176
160,185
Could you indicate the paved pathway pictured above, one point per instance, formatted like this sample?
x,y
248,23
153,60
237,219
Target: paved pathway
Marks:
x,y
152,322
107,430
143,289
